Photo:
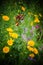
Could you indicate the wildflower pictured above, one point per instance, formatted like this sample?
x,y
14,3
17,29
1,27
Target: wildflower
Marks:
x,y
37,26
20,17
23,8
36,20
9,29
10,42
32,55
6,18
13,35
30,48
35,51
31,43
6,49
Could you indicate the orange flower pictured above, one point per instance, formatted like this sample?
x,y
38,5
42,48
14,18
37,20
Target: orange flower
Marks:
x,y
6,18
6,49
23,8
35,51
10,42
36,20
30,48
32,55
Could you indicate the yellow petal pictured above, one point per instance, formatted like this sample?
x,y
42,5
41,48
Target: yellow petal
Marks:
x,y
13,35
36,20
6,49
35,51
9,29
23,8
31,43
30,48
32,55
5,18
10,42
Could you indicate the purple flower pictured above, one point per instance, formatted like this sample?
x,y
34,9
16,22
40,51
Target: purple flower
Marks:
x,y
37,26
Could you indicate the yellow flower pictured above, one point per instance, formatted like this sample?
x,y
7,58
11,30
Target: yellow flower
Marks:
x,y
30,48
6,18
23,8
6,49
13,35
31,24
10,42
31,43
32,55
9,30
36,20
35,51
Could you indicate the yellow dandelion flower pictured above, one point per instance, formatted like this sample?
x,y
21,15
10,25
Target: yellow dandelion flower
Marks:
x,y
31,55
5,18
6,49
9,29
36,20
10,42
31,43
30,48
13,35
31,24
35,51
23,8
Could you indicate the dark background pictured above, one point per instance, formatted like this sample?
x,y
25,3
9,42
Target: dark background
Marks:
x,y
38,4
